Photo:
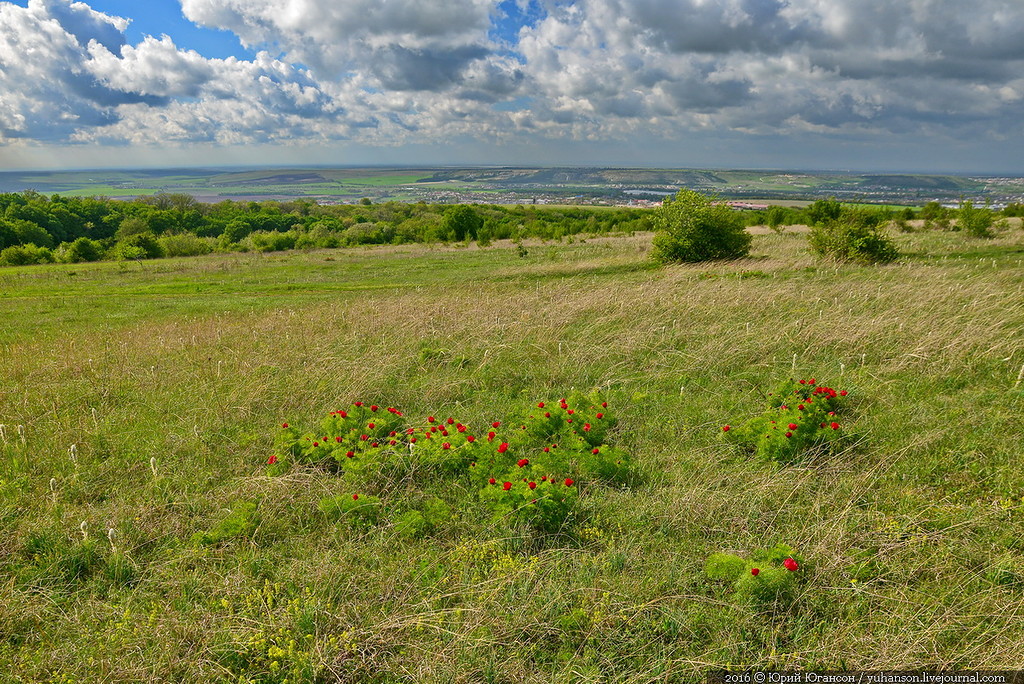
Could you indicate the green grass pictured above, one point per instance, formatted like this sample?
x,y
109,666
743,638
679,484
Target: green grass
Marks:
x,y
170,377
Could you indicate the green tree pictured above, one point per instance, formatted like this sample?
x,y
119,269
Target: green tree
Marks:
x,y
461,222
82,249
691,227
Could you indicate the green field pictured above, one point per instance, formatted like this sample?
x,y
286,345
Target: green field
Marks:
x,y
149,395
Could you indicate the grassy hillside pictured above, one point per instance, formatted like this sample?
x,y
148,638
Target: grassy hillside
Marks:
x,y
150,395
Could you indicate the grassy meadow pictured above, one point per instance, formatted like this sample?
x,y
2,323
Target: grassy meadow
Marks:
x,y
149,395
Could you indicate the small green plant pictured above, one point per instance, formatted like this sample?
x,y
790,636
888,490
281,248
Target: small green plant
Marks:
x,y
693,227
769,578
241,520
801,416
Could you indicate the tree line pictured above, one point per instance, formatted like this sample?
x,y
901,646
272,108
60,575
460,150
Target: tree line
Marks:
x,y
35,228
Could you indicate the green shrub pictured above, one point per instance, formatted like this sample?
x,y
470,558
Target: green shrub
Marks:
x,y
974,221
24,255
855,237
82,249
136,247
185,244
693,228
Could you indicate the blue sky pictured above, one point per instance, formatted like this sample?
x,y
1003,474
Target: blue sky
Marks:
x,y
929,86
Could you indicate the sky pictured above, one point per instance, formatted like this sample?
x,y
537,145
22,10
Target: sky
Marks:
x,y
930,86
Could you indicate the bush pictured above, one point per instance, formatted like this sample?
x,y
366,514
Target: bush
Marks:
x,y
24,255
693,228
185,244
82,249
854,236
974,221
138,246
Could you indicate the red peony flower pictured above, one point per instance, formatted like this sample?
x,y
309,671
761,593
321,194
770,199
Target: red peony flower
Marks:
x,y
364,437
792,426
532,485
470,438
586,427
337,439
272,460
373,408
568,482
547,450
843,393
316,444
371,425
392,433
604,404
342,414
451,421
507,486
540,404
596,451
284,425
790,564
547,415
570,412
789,434
350,454
413,440
496,423
355,497
523,462
503,447
358,403
726,428
446,445
600,416
430,419
754,571
490,436
834,426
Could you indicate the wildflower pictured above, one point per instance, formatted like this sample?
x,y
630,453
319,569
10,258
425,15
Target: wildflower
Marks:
x,y
540,404
600,416
491,481
503,447
568,482
523,462
604,404
461,428
284,425
570,412
789,434
430,419
350,454
272,460
532,485
316,444
843,393
792,426
446,445
342,414
371,425
470,438
392,433
355,497
373,408
364,437
338,439
596,451
507,486
547,450
451,421
496,423
547,415
490,436
754,571
834,426
790,564
358,403
586,427
726,428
